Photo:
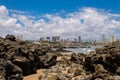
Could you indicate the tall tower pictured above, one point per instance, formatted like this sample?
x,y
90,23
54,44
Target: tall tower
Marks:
x,y
103,38
79,38
55,38
20,37
112,38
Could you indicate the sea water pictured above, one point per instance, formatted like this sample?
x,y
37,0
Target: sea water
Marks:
x,y
81,50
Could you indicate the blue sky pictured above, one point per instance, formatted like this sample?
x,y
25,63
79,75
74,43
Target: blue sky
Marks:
x,y
65,18
52,6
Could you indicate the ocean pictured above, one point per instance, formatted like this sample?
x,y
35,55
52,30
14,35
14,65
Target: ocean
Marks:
x,y
82,50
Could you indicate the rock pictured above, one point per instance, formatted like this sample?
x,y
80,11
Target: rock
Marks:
x,y
53,77
98,79
118,71
83,77
78,58
77,72
100,72
62,50
70,70
100,68
117,77
47,61
25,64
64,76
109,77
8,69
10,37
24,57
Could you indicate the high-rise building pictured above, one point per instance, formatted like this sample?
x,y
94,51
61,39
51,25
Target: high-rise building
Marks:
x,y
20,37
41,39
103,38
48,38
55,38
75,40
79,38
112,38
67,39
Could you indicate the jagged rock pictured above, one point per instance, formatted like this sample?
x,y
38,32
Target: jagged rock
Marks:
x,y
53,77
118,71
8,69
70,70
64,76
10,37
78,58
25,64
109,77
100,72
23,57
47,61
62,50
117,77
77,72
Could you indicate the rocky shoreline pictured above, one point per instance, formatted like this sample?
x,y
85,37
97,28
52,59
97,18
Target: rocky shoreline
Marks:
x,y
20,58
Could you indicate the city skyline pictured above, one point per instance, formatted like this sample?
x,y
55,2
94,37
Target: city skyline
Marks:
x,y
88,18
103,39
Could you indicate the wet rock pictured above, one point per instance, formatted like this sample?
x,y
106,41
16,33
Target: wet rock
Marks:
x,y
62,50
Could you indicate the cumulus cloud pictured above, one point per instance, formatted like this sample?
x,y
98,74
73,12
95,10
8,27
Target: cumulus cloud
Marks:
x,y
87,22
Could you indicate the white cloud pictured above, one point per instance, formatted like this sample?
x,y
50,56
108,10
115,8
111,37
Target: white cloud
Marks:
x,y
3,12
87,22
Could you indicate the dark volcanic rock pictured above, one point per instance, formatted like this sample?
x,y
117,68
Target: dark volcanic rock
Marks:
x,y
19,58
10,37
26,65
8,69
22,57
62,50
48,60
78,58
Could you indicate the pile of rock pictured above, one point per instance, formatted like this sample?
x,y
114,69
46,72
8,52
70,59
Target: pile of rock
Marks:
x,y
19,58
103,64
65,69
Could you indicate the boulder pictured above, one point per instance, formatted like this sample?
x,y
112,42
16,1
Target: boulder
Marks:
x,y
78,58
77,72
8,69
47,60
25,64
10,37
118,71
53,77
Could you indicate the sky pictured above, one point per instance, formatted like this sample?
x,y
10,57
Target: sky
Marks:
x,y
89,19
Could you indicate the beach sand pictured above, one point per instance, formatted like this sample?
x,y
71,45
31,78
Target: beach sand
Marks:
x,y
34,76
